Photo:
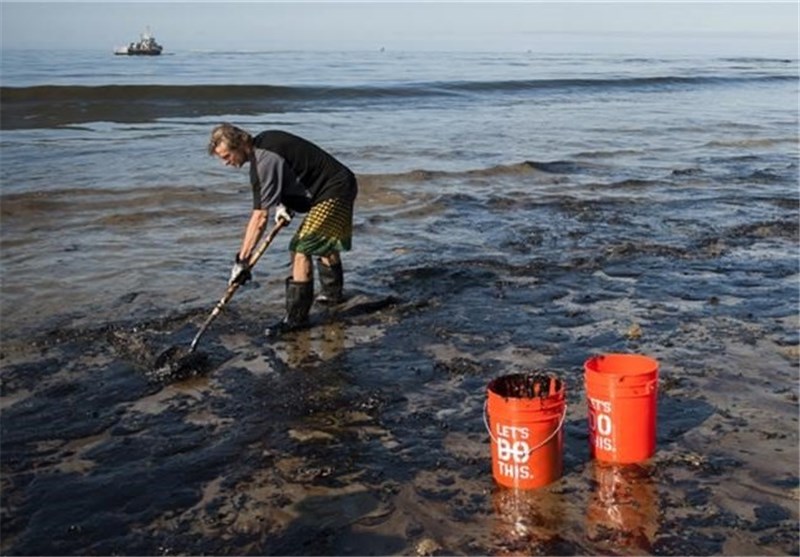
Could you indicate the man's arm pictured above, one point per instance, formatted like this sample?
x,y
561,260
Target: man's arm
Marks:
x,y
255,229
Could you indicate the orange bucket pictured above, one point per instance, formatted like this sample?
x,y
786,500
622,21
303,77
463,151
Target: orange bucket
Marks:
x,y
621,392
524,416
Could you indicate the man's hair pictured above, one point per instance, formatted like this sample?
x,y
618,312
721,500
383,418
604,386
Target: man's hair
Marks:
x,y
235,138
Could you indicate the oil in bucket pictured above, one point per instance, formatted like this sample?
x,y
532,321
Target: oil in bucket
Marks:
x,y
524,416
621,394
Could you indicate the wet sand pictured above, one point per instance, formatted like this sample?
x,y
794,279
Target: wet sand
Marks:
x,y
364,434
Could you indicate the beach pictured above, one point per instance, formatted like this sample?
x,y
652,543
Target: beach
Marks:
x,y
516,213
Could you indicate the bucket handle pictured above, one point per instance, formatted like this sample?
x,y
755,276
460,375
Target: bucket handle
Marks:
x,y
540,445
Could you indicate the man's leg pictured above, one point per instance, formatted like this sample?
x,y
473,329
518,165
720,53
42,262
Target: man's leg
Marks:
x,y
333,258
302,270
299,296
331,278
325,231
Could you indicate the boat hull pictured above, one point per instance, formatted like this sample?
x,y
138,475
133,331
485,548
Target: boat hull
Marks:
x,y
154,53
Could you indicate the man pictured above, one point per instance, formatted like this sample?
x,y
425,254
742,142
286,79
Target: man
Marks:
x,y
291,174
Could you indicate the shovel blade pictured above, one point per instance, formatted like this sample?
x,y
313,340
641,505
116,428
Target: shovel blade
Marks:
x,y
177,363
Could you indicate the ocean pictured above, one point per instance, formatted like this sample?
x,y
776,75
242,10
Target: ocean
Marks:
x,y
105,175
529,209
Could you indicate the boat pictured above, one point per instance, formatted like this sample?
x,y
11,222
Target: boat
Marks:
x,y
147,46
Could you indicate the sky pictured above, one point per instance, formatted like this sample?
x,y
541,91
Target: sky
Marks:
x,y
766,27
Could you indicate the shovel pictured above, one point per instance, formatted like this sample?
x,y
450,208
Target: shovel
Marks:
x,y
174,359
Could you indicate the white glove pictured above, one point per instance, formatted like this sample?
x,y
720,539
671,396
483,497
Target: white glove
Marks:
x,y
240,272
282,213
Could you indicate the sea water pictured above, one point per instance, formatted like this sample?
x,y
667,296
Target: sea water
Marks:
x,y
108,191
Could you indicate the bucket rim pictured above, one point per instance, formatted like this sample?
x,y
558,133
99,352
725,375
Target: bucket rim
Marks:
x,y
557,395
617,364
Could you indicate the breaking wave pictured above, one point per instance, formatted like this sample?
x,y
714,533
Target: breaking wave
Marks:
x,y
60,105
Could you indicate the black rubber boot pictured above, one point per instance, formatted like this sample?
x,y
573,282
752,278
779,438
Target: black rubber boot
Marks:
x,y
299,297
331,280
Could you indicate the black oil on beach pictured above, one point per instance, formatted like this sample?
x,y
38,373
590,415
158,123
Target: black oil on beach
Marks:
x,y
520,221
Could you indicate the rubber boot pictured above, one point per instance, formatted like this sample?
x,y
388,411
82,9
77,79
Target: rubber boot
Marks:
x,y
299,297
331,280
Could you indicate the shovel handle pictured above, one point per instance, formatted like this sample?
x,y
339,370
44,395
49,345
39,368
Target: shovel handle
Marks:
x,y
235,286
267,241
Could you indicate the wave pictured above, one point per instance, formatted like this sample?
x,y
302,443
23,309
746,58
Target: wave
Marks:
x,y
375,189
764,142
60,105
544,169
31,206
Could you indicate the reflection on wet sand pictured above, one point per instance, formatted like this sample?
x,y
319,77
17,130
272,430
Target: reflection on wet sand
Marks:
x,y
321,343
623,514
527,521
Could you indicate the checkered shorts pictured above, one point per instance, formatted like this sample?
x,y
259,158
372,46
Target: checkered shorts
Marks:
x,y
328,227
